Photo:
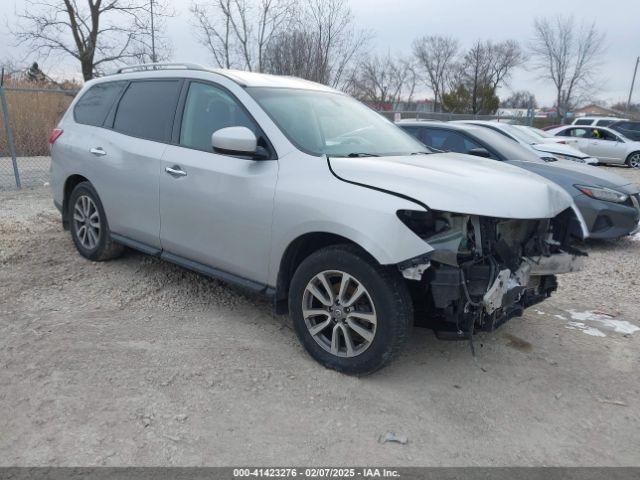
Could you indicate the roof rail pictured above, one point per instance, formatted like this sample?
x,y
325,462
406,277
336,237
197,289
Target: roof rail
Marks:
x,y
143,67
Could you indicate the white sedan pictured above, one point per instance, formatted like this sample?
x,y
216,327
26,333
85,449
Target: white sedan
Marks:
x,y
607,145
544,150
546,137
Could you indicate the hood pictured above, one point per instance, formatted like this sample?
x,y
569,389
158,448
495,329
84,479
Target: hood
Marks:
x,y
559,148
567,174
454,182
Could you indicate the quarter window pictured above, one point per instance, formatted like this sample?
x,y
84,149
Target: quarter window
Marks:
x,y
147,108
94,106
206,110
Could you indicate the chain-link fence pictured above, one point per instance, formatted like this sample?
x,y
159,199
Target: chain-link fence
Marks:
x,y
27,117
447,117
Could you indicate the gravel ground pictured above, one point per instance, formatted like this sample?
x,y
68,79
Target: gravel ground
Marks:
x,y
139,362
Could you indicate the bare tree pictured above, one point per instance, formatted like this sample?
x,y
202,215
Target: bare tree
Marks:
x,y
237,32
520,99
96,33
568,55
479,73
436,56
321,45
382,79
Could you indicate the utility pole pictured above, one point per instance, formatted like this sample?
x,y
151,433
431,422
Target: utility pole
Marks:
x,y
153,36
633,81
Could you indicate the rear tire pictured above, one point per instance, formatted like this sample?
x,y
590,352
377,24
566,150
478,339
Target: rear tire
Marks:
x,y
88,225
350,313
633,160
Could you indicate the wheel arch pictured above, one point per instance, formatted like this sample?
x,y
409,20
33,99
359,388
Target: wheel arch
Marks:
x,y
70,183
295,253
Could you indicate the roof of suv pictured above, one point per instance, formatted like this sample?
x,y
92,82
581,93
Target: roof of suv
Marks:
x,y
243,78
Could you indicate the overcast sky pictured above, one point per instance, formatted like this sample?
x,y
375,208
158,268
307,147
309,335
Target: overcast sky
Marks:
x,y
395,23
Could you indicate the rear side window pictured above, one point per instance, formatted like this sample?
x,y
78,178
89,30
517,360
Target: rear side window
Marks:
x,y
147,108
584,121
604,123
94,106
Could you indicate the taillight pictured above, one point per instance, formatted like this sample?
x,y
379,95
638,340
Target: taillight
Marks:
x,y
54,135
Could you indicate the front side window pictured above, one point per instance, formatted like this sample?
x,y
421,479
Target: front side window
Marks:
x,y
578,132
328,123
206,110
147,108
94,106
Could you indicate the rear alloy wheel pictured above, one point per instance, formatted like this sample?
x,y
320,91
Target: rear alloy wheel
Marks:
x,y
634,160
350,313
86,220
88,225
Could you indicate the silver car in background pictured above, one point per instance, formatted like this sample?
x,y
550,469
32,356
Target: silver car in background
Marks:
x,y
300,193
606,144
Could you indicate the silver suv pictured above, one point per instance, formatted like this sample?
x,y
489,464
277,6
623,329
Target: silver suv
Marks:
x,y
298,192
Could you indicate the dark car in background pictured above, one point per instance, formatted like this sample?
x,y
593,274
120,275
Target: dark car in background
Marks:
x,y
606,205
628,128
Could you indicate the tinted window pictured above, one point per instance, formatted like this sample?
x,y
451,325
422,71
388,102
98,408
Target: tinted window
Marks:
x,y
206,110
604,123
622,126
582,122
94,106
147,108
419,133
450,141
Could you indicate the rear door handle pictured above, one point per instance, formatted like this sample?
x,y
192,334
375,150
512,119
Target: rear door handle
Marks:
x,y
98,151
175,171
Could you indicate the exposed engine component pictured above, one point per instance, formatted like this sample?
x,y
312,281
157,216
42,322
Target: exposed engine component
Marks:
x,y
484,271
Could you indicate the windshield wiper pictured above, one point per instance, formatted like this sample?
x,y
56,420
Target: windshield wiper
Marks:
x,y
361,154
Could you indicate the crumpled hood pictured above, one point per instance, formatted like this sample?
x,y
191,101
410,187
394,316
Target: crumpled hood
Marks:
x,y
454,182
567,174
560,149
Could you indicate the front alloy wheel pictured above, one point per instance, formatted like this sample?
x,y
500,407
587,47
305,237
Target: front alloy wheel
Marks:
x,y
339,313
350,313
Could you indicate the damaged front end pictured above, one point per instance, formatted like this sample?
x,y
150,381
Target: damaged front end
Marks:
x,y
483,270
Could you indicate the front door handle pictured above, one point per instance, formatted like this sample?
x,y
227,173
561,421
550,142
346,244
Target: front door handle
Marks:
x,y
98,151
175,171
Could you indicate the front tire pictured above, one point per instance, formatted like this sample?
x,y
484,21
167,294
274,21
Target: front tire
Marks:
x,y
88,225
350,313
633,160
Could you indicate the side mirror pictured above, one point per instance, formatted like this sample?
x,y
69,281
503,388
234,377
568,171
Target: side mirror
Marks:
x,y
479,152
237,141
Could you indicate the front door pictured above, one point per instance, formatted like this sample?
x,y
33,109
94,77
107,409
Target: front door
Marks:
x,y
216,209
606,146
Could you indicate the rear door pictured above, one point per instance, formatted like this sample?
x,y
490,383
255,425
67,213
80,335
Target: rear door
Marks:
x,y
218,210
582,136
130,152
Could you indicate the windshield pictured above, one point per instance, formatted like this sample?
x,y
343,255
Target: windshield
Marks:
x,y
521,134
536,132
328,123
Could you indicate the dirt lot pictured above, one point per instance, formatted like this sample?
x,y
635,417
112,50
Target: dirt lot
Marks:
x,y
138,362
